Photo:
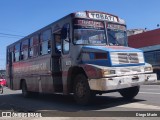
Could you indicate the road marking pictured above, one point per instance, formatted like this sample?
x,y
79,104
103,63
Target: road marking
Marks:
x,y
150,93
140,106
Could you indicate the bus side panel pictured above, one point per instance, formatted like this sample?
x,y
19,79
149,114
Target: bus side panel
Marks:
x,y
36,72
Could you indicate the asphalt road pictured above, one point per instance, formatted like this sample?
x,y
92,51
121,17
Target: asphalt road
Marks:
x,y
147,101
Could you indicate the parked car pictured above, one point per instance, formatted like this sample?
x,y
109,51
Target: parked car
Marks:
x,y
3,82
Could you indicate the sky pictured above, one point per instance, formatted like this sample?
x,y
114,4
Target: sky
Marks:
x,y
22,17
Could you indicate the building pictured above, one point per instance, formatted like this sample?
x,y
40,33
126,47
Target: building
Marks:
x,y
149,42
135,31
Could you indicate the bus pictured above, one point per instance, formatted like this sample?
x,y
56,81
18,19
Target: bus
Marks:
x,y
84,53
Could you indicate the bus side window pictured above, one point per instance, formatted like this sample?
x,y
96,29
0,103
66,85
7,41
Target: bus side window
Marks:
x,y
12,53
17,52
24,50
34,46
45,42
30,48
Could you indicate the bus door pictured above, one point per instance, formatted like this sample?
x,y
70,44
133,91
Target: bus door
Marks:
x,y
56,60
10,73
65,58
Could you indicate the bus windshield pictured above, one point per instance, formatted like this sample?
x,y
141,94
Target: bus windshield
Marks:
x,y
89,32
89,36
117,35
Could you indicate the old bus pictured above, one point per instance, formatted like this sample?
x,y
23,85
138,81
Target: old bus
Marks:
x,y
84,53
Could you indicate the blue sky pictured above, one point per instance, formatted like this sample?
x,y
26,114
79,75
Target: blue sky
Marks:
x,y
22,17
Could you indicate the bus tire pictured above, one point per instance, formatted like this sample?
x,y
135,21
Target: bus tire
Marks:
x,y
82,92
129,93
25,91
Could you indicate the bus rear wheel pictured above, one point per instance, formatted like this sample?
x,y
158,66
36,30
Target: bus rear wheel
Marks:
x,y
82,92
129,93
25,91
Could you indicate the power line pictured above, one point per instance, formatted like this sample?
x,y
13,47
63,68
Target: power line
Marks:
x,y
10,36
6,34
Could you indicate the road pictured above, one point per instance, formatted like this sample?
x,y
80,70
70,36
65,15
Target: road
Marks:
x,y
110,103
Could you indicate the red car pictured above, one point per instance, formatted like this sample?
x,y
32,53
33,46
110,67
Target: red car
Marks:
x,y
3,82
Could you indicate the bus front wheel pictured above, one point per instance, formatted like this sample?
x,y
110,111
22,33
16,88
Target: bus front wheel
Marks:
x,y
129,93
82,92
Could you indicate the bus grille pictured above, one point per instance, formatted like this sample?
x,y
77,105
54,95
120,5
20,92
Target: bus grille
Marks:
x,y
119,58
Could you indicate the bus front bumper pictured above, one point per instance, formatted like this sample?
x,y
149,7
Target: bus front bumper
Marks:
x,y
115,83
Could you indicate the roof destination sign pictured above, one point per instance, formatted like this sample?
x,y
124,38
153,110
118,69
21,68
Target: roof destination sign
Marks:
x,y
102,16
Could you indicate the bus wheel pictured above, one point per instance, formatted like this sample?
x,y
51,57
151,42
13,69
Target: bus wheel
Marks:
x,y
82,92
129,93
25,92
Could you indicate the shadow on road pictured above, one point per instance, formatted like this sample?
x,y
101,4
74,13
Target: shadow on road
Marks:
x,y
57,102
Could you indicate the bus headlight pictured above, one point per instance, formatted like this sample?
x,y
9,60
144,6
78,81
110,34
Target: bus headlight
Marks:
x,y
147,69
107,72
